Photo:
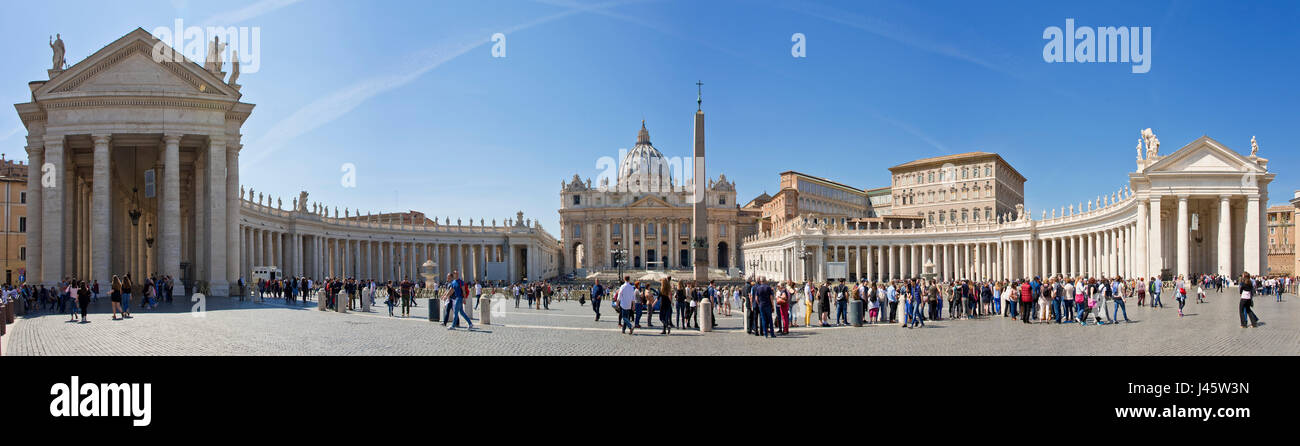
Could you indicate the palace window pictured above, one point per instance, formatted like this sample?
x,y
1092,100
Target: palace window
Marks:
x,y
617,229
22,197
22,224
577,231
722,230
22,253
649,228
577,200
686,229
722,199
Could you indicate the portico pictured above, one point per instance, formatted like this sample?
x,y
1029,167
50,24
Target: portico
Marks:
x,y
138,161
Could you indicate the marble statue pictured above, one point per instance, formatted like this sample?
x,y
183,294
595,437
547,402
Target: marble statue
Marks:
x,y
241,192
234,68
259,198
1254,147
56,44
213,62
302,198
1139,148
1153,143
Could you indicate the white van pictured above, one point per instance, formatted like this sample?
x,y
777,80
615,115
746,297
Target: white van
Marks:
x,y
264,273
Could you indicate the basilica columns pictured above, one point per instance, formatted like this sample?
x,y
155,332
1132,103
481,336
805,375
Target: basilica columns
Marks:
x,y
171,204
217,283
101,189
1251,248
52,212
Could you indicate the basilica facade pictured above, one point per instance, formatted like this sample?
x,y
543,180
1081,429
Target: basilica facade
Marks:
x,y
643,220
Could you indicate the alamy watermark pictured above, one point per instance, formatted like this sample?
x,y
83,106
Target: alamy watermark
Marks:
x,y
1117,44
178,43
651,175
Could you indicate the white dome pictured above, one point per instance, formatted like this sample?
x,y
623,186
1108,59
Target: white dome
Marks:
x,y
644,166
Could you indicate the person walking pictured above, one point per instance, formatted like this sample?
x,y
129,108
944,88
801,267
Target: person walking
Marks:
x,y
1121,291
83,300
115,295
597,293
126,296
626,301
1246,306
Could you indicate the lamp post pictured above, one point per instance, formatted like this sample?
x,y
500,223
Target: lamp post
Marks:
x,y
753,267
803,257
620,255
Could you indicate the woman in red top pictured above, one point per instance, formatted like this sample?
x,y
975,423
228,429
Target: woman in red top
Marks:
x,y
1026,301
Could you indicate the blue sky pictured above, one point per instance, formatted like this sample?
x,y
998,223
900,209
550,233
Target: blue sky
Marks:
x,y
409,91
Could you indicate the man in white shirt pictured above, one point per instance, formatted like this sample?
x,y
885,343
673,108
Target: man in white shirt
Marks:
x,y
626,300
478,294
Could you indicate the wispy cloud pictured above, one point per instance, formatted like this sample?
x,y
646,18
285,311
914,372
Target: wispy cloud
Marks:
x,y
248,12
343,101
11,133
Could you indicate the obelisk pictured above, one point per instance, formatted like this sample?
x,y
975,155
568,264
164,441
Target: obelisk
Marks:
x,y
699,207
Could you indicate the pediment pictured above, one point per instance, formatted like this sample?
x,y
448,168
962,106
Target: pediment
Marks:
x,y
128,66
1204,155
650,201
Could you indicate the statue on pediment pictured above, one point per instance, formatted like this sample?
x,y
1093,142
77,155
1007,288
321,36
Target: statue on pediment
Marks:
x,y
56,44
279,203
1254,147
1153,143
213,61
302,200
234,69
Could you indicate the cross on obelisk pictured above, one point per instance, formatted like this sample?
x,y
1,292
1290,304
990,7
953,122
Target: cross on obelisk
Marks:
x,y
699,96
699,208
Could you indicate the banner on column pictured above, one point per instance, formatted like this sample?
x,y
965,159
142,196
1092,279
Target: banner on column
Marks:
x,y
837,270
497,271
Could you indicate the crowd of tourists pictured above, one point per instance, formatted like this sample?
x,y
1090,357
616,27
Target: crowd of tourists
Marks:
x,y
773,307
73,297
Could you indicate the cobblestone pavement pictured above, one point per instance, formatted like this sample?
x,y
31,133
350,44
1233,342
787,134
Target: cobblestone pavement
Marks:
x,y
230,327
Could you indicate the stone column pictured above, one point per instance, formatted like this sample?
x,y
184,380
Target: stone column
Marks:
x,y
231,196
1250,248
1156,240
35,202
218,218
52,212
1225,236
1183,259
1141,251
101,217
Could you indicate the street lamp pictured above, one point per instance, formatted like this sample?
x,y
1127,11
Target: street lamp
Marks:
x,y
753,266
619,256
803,257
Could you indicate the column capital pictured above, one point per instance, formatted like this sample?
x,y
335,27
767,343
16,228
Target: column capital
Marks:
x,y
53,140
101,138
172,138
1182,197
